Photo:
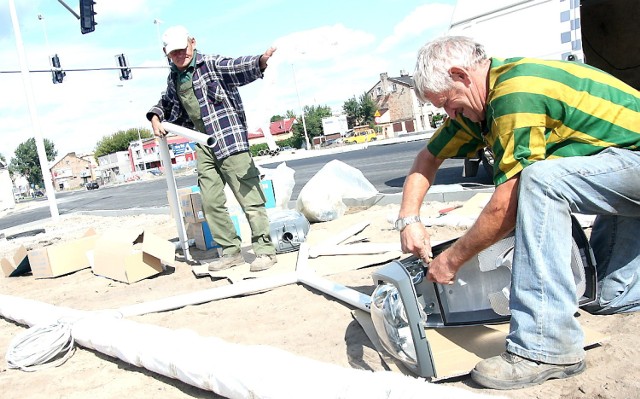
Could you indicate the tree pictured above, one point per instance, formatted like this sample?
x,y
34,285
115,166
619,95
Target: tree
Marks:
x,y
360,112
313,119
27,163
2,158
313,116
351,109
291,114
119,141
368,109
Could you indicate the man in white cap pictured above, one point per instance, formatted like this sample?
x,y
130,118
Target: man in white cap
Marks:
x,y
202,94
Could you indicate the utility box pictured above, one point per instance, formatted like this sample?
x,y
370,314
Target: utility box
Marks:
x,y
288,229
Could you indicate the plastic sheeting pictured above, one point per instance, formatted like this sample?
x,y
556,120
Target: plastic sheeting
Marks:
x,y
321,199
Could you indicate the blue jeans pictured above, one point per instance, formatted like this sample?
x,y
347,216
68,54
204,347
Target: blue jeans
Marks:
x,y
543,292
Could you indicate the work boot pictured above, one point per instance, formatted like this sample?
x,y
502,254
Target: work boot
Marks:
x,y
263,262
226,262
509,371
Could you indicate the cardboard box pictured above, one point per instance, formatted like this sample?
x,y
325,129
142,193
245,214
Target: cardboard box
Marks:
x,y
181,191
201,234
191,206
267,188
64,258
16,265
131,255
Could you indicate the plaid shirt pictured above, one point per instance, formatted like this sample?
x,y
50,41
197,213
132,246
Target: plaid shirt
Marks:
x,y
215,82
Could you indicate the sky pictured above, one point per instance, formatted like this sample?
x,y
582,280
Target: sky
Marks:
x,y
327,52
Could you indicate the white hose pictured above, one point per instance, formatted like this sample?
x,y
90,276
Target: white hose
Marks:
x,y
230,370
41,347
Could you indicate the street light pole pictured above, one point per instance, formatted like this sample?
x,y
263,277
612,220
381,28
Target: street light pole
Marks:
x,y
304,123
157,23
142,153
35,121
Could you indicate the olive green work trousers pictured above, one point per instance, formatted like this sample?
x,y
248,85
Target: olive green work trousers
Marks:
x,y
241,174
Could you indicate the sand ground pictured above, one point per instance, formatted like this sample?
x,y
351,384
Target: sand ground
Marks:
x,y
294,318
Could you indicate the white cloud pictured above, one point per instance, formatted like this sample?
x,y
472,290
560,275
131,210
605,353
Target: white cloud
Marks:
x,y
332,63
429,17
116,9
328,65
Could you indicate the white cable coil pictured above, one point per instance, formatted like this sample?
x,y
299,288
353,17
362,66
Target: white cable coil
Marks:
x,y
40,347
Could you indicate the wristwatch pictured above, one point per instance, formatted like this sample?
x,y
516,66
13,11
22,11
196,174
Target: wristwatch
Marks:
x,y
401,223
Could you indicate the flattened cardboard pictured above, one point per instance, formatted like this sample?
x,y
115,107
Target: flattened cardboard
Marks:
x,y
16,265
64,258
131,255
456,350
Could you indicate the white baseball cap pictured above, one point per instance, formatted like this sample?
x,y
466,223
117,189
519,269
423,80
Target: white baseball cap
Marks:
x,y
175,38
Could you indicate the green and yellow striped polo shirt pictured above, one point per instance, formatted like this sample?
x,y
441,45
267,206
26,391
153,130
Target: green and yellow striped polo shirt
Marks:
x,y
538,109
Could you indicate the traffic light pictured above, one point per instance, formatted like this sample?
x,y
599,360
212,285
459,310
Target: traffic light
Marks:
x,y
57,74
87,20
125,71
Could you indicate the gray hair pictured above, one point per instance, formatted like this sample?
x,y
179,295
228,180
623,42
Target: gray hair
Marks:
x,y
438,56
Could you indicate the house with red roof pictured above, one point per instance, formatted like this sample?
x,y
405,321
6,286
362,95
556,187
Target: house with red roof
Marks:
x,y
280,130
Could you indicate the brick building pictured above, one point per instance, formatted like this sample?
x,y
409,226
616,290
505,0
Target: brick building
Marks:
x,y
71,171
399,110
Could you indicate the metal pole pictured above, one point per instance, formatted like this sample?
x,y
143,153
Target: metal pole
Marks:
x,y
44,29
173,196
304,123
157,23
35,122
71,10
141,149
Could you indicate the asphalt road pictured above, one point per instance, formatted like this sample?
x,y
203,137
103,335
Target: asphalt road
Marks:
x,y
385,166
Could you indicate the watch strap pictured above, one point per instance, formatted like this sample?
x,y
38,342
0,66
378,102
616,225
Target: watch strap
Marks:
x,y
401,223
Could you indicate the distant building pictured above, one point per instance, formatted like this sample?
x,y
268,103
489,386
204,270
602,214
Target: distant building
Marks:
x,y
145,154
7,199
399,110
280,130
71,171
111,165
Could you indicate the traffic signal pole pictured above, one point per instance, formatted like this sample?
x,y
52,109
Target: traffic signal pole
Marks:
x,y
71,10
86,17
35,121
